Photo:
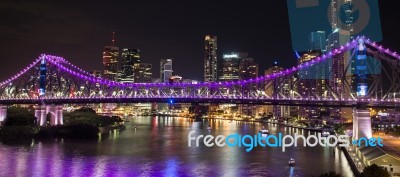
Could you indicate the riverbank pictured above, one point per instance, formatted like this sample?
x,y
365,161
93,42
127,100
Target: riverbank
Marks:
x,y
79,131
270,122
353,166
84,123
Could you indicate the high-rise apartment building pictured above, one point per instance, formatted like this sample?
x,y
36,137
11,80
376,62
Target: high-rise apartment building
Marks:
x,y
210,59
341,81
339,63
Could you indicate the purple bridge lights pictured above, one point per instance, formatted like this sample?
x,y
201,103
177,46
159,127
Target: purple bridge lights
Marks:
x,y
64,83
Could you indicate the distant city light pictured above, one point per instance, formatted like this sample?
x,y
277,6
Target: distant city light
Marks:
x,y
297,55
231,56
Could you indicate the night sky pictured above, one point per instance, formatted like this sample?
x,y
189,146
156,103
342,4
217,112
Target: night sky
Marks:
x,y
78,31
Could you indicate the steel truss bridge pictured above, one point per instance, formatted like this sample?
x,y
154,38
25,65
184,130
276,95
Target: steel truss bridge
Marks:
x,y
54,80
51,81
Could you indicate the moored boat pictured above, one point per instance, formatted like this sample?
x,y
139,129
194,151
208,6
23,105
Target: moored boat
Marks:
x,y
292,162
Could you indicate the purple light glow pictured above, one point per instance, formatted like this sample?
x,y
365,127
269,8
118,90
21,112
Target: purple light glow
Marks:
x,y
71,69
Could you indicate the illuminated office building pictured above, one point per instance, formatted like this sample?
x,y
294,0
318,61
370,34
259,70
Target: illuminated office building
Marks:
x,y
143,73
110,61
317,41
248,69
341,81
341,15
230,66
338,64
130,65
165,70
311,83
271,89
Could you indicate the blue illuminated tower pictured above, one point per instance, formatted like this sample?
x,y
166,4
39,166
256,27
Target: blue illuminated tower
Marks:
x,y
361,69
42,83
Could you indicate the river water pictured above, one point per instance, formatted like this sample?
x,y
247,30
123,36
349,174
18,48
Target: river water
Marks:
x,y
158,146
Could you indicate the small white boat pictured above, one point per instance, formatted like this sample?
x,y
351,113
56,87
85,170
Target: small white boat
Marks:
x,y
292,162
264,131
325,133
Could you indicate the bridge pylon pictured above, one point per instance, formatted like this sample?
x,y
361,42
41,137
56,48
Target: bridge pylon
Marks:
x,y
56,114
3,113
361,123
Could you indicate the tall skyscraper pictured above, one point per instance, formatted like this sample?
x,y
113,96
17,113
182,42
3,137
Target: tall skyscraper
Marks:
x,y
130,58
272,89
248,69
317,41
341,15
341,79
339,63
342,30
310,84
165,70
230,66
110,61
210,59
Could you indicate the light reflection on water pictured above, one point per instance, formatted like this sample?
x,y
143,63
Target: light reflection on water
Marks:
x,y
158,147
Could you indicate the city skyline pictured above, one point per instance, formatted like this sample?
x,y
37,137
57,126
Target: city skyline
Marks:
x,y
126,88
185,44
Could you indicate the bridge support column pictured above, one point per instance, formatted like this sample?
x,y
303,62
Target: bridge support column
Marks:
x,y
3,113
361,123
40,114
56,114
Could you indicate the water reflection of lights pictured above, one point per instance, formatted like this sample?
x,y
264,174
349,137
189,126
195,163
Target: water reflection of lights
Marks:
x,y
197,126
171,168
291,172
114,134
100,167
144,157
154,121
39,160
